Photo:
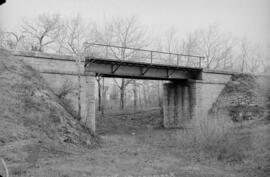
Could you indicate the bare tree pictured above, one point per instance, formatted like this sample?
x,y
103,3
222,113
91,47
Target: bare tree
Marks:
x,y
243,56
72,41
251,58
214,46
190,47
122,86
14,39
74,34
114,95
2,38
266,62
145,93
135,94
43,31
127,32
103,35
171,44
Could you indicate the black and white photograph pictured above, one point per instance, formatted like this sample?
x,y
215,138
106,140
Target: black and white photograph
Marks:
x,y
135,88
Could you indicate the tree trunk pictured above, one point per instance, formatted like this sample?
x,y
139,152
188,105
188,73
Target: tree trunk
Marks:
x,y
159,95
122,94
99,93
103,97
148,94
145,95
77,61
140,97
135,94
79,97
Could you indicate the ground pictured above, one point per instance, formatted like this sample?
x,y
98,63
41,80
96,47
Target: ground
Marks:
x,y
148,152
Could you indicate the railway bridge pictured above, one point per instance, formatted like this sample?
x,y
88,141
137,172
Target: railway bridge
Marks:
x,y
188,91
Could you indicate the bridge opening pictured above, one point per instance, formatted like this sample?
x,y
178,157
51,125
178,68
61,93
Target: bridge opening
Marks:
x,y
128,109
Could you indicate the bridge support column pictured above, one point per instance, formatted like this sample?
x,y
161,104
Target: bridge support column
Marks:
x,y
178,100
197,105
88,114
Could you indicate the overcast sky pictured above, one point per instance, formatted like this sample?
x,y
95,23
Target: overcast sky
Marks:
x,y
241,18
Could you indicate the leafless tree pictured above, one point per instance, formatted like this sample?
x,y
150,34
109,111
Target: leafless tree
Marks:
x,y
171,44
266,62
135,94
243,56
74,35
214,46
251,57
190,47
2,38
43,31
127,32
102,35
14,39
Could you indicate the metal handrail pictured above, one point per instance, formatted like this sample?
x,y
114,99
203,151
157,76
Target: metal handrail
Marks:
x,y
178,55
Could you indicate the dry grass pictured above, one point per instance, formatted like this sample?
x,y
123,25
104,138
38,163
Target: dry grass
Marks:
x,y
128,121
213,138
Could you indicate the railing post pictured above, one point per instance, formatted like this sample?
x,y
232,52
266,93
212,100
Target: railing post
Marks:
x,y
200,62
177,59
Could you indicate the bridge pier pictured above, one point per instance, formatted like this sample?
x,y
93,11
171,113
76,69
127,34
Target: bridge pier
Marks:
x,y
179,100
88,113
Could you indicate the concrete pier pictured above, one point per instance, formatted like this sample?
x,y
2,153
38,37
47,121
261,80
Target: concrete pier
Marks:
x,y
177,107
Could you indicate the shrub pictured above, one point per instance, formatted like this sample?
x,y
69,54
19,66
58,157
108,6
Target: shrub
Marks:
x,y
213,137
66,103
18,171
244,112
67,88
33,155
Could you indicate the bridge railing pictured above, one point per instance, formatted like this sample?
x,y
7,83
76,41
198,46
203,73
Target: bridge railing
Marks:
x,y
113,52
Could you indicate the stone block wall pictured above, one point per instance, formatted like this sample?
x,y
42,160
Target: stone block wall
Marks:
x,y
243,98
206,91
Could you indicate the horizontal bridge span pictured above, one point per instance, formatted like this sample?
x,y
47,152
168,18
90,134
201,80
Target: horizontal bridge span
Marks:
x,y
140,70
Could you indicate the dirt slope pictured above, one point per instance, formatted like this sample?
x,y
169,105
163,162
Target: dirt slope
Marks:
x,y
32,118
